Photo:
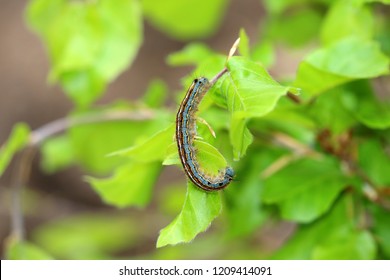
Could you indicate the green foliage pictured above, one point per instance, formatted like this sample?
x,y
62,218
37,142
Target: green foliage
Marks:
x,y
197,18
96,236
344,241
17,141
301,198
340,63
311,149
89,42
25,251
199,210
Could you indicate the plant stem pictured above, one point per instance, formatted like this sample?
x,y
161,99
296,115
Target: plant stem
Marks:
x,y
218,76
57,126
37,137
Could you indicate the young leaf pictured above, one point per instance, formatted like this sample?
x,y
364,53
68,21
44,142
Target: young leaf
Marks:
x,y
17,141
57,153
339,63
345,19
131,184
89,43
153,149
92,143
191,54
305,189
243,47
197,18
250,92
199,210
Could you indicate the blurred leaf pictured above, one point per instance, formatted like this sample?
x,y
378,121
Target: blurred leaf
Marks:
x,y
305,20
172,156
356,245
250,92
89,42
305,189
199,210
92,143
16,141
196,18
339,63
263,52
330,113
366,107
381,229
191,54
57,153
24,250
243,46
131,185
155,94
346,19
86,236
243,199
153,148
375,162
333,236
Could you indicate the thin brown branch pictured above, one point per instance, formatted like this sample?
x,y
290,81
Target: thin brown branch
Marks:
x,y
294,98
19,180
60,125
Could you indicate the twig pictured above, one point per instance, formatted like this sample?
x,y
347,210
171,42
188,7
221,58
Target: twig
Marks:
x,y
218,76
20,177
23,167
57,126
294,98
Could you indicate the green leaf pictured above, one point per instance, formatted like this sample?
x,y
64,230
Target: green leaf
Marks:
x,y
17,140
171,156
196,18
295,27
89,43
243,199
250,92
305,189
57,154
370,109
155,94
381,230
208,157
87,236
340,120
345,19
264,53
152,149
24,250
131,185
334,236
358,245
191,54
339,63
199,210
375,162
92,143
243,46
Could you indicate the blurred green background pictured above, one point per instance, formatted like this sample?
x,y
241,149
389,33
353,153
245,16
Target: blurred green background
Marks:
x,y
66,219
